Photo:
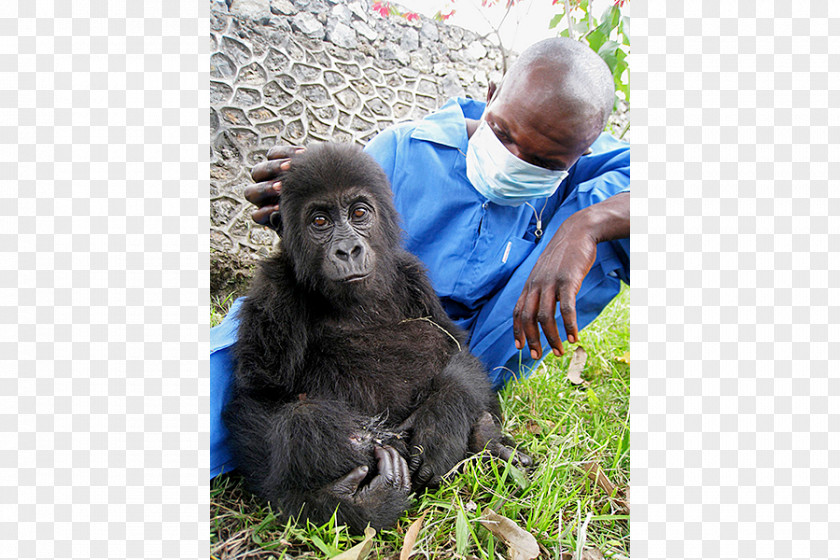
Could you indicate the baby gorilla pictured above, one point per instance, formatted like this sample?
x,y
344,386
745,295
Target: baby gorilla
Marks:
x,y
353,387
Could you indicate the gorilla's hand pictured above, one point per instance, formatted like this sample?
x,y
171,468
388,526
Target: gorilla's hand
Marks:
x,y
560,270
393,478
431,454
265,194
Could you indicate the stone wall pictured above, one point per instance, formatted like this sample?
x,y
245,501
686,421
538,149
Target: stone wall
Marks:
x,y
296,71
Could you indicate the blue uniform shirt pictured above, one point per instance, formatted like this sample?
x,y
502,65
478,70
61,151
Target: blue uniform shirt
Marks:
x,y
478,254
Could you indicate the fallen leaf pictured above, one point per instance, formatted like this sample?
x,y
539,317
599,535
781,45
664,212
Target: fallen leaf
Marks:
x,y
596,475
533,427
411,538
521,544
591,554
576,366
625,358
361,550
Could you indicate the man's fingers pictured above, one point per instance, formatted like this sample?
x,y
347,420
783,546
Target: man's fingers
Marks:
x,y
528,323
269,170
548,304
569,313
263,194
263,215
283,152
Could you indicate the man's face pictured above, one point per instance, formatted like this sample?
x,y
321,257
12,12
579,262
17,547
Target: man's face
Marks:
x,y
534,127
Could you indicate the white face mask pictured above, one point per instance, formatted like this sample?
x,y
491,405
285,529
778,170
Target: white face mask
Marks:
x,y
503,178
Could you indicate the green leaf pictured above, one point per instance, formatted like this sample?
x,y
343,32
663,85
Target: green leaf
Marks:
x,y
520,478
564,33
611,17
594,401
325,548
462,532
596,39
555,21
607,52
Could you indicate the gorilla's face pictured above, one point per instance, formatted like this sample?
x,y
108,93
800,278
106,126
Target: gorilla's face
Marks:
x,y
339,229
339,223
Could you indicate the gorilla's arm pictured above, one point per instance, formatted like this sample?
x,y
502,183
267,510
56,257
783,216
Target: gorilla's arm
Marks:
x,y
460,413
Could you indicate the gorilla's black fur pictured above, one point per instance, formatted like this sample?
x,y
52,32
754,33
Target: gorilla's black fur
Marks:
x,y
346,358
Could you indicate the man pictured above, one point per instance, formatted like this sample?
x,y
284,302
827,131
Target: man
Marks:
x,y
518,208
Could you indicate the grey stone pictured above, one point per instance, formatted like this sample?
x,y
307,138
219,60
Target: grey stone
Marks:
x,y
282,7
235,116
429,31
236,50
410,39
219,93
342,13
342,35
221,66
249,8
305,72
392,51
358,10
421,61
247,97
315,93
333,79
276,61
307,24
252,74
452,86
365,30
476,50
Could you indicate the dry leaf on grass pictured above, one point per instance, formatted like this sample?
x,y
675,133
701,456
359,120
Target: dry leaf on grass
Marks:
x,y
625,358
596,475
576,366
521,544
591,554
411,537
361,550
533,427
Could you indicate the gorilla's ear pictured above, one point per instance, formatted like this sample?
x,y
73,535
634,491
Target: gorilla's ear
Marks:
x,y
276,223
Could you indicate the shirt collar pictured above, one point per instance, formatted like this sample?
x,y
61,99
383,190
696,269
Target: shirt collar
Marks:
x,y
447,125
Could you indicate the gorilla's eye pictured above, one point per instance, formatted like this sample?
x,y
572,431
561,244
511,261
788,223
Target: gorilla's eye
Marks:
x,y
319,221
360,212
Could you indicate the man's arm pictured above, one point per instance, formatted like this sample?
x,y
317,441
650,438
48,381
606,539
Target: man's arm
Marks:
x,y
560,270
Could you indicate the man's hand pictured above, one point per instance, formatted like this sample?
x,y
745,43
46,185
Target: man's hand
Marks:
x,y
560,270
265,194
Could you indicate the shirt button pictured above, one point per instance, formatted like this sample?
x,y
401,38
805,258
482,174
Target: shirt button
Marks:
x,y
485,205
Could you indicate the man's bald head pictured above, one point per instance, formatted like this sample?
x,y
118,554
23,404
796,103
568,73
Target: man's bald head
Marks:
x,y
563,78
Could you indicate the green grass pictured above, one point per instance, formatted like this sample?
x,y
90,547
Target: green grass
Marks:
x,y
561,426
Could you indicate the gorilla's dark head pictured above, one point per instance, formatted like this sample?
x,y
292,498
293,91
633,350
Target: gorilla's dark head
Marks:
x,y
340,227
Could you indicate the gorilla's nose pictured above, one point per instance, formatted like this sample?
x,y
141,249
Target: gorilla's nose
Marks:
x,y
349,250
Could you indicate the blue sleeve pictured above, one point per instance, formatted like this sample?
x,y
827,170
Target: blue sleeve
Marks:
x,y
606,173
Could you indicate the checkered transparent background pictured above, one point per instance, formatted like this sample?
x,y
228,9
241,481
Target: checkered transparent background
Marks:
x,y
104,280
736,280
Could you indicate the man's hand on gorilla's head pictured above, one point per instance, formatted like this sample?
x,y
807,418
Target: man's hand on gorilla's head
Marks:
x,y
265,193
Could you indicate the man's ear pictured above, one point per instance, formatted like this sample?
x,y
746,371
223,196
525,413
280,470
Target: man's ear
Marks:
x,y
491,91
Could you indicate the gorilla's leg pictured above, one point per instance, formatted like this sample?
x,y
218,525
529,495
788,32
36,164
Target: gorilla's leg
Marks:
x,y
303,458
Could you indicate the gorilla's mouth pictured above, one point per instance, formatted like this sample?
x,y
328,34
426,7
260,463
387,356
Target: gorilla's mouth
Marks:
x,y
354,278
